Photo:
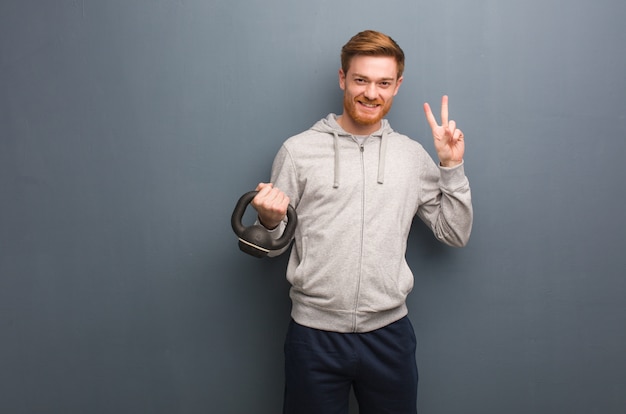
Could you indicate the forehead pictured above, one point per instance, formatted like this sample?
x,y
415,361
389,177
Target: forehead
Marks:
x,y
374,67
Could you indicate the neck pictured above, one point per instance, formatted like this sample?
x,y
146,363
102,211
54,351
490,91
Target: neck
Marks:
x,y
352,127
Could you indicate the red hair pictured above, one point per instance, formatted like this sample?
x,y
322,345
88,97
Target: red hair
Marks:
x,y
371,43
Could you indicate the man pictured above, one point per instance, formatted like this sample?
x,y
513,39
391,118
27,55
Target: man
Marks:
x,y
356,185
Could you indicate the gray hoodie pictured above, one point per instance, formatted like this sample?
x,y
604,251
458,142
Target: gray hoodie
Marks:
x,y
355,204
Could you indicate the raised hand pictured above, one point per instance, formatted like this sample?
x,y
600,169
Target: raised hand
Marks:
x,y
449,141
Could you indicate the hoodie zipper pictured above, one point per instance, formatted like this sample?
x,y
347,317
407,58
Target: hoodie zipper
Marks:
x,y
360,270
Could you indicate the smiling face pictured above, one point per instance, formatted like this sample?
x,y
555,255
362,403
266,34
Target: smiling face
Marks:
x,y
369,86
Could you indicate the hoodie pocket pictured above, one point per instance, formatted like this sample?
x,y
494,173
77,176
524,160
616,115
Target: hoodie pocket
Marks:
x,y
297,279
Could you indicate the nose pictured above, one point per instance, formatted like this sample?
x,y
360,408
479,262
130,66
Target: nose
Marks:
x,y
370,91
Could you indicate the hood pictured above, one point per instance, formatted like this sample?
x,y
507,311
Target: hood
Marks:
x,y
329,125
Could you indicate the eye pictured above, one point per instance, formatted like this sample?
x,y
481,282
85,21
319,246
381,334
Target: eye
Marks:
x,y
360,81
385,84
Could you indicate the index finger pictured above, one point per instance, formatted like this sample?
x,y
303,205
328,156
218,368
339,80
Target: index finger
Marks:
x,y
263,186
444,111
430,117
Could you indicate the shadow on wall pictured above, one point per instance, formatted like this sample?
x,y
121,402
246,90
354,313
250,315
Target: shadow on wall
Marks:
x,y
422,246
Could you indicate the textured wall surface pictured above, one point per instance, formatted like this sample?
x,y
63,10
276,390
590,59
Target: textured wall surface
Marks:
x,y
129,128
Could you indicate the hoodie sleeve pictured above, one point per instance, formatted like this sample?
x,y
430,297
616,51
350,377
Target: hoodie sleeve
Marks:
x,y
284,175
446,204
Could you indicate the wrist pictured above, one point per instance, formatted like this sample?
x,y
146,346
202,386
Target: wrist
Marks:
x,y
450,164
268,225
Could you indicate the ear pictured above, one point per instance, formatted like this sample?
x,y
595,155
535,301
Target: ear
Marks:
x,y
342,80
398,83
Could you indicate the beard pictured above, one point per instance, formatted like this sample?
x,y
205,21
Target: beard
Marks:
x,y
351,108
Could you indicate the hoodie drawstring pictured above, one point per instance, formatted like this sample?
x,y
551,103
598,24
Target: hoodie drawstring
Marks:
x,y
382,156
336,144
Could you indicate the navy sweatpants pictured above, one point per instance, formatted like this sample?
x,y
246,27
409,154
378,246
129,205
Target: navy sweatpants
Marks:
x,y
321,366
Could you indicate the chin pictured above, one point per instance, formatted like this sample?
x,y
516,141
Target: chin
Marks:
x,y
368,121
364,119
